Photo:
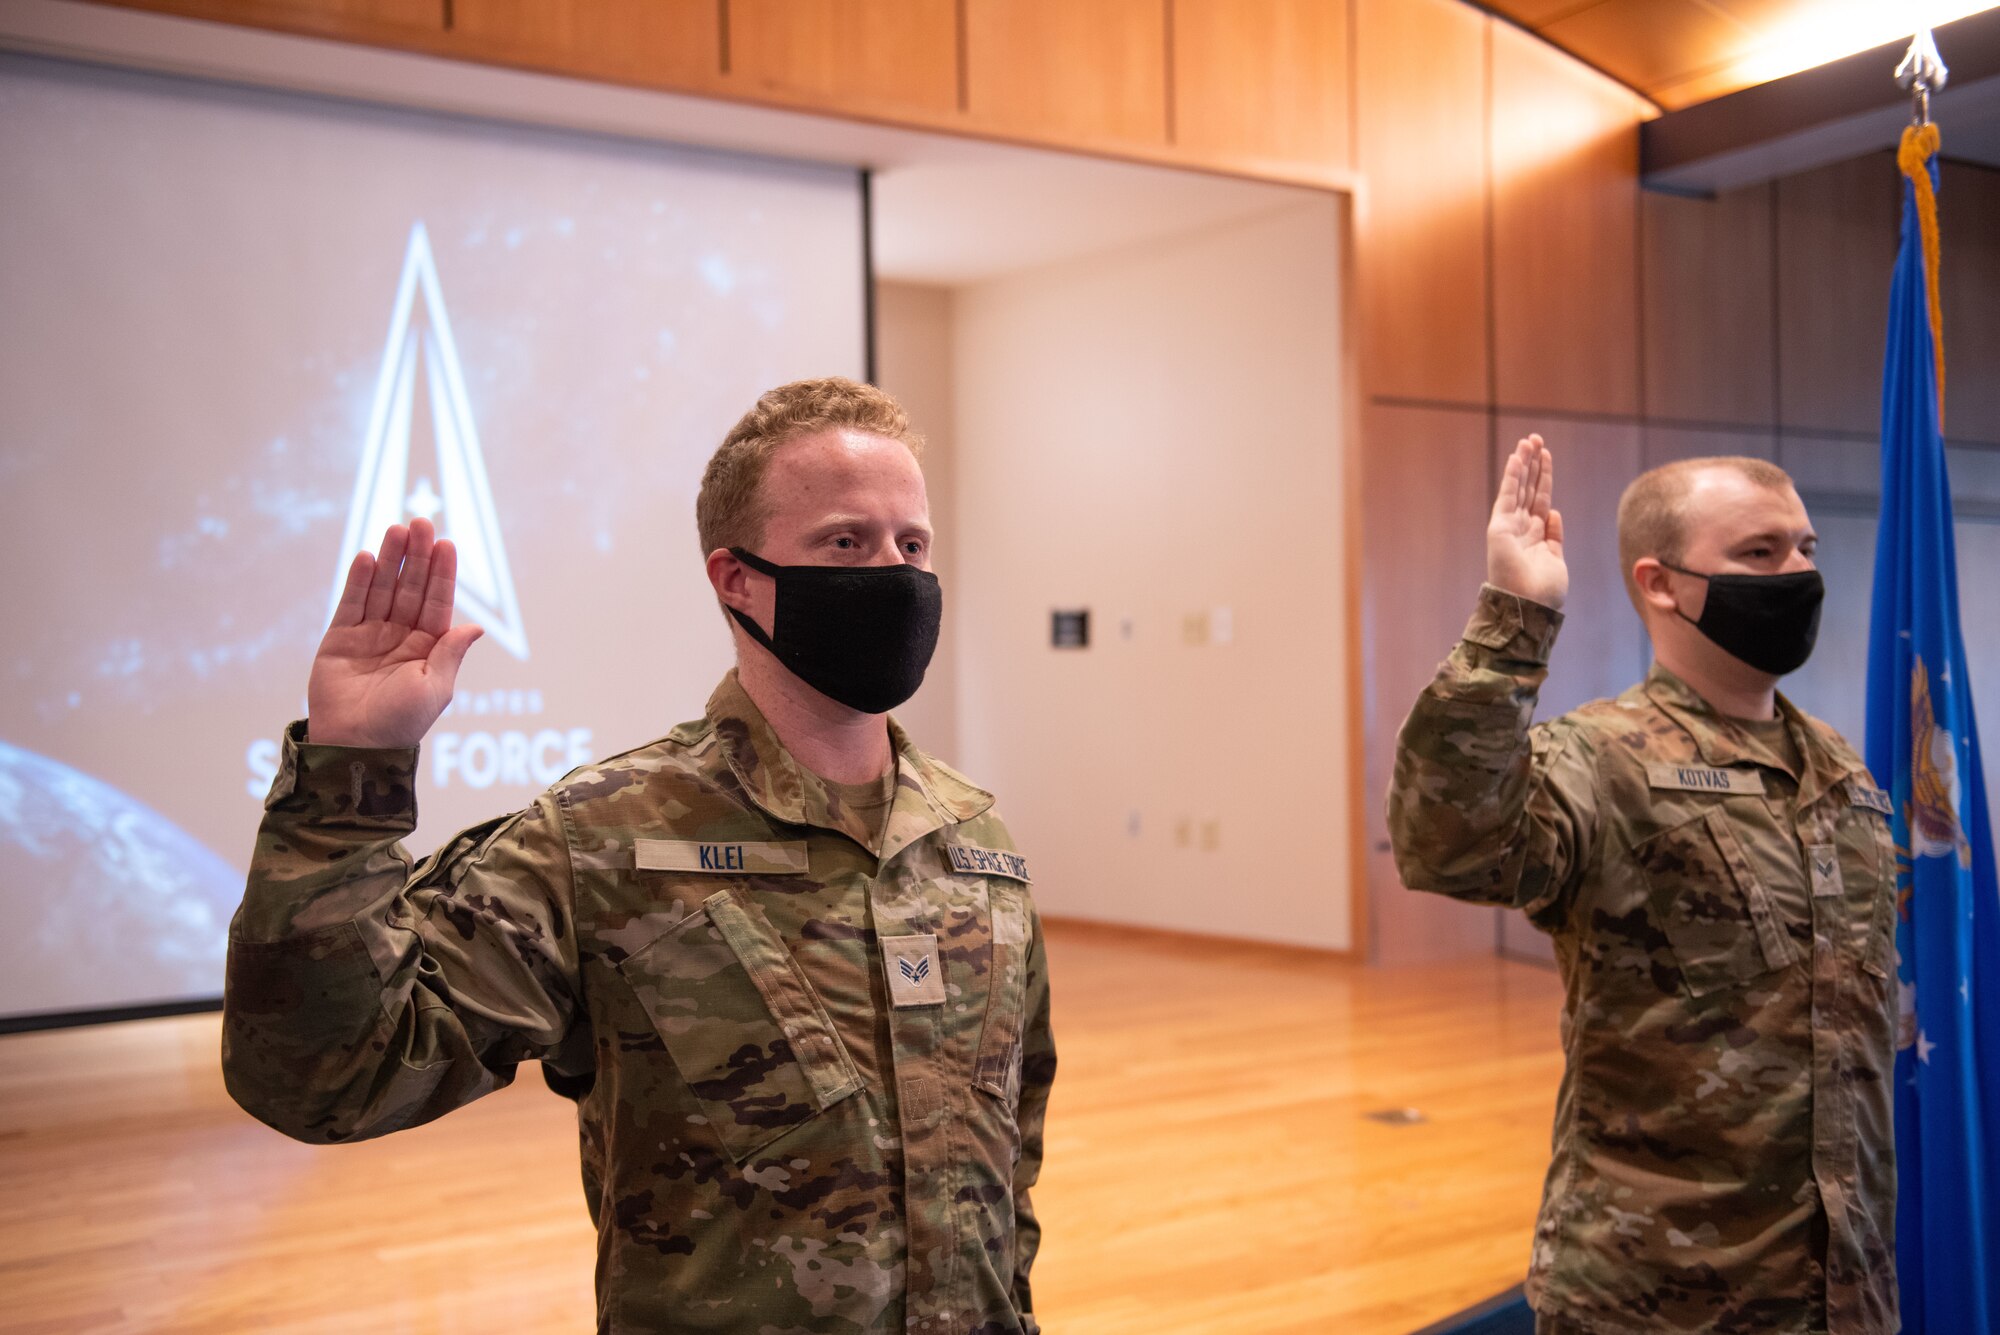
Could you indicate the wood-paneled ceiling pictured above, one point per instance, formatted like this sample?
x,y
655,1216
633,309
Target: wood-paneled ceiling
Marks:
x,y
1678,52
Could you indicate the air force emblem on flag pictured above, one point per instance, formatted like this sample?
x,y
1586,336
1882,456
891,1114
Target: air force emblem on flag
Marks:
x,y
420,366
1934,786
915,976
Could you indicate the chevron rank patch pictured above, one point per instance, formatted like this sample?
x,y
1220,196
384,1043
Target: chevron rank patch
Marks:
x,y
916,977
1823,860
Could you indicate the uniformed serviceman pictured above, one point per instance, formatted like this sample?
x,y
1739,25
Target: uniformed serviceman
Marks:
x,y
785,961
1716,871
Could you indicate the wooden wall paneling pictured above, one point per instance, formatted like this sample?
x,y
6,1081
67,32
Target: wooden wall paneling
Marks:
x,y
1847,466
375,21
880,56
1083,73
1836,244
650,43
1262,82
1706,301
1421,99
1424,476
1979,616
1975,477
1969,228
1565,152
1602,648
1664,444
1834,682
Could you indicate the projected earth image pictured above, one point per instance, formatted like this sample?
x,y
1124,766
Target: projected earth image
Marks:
x,y
110,902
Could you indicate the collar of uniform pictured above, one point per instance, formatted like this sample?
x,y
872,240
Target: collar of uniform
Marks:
x,y
1720,744
929,794
1824,766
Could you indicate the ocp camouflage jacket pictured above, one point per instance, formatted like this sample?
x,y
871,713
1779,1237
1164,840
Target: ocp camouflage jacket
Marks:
x,y
1723,1149
810,1080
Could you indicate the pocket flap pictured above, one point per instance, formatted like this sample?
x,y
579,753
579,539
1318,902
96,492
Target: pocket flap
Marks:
x,y
1712,906
744,1028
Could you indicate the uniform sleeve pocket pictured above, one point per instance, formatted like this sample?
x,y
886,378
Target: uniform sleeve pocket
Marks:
x,y
998,1071
1713,908
1871,831
745,1029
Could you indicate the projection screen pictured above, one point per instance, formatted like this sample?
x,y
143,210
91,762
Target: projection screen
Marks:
x,y
242,332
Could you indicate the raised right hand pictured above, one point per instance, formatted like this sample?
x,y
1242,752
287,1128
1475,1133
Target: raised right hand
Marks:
x,y
386,666
1524,539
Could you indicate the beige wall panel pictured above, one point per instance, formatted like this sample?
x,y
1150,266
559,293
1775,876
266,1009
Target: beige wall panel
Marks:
x,y
1833,685
1424,555
1262,81
1602,648
1420,81
357,20
1836,244
1969,227
880,56
1664,444
1078,72
913,354
651,43
1845,466
1565,145
1706,266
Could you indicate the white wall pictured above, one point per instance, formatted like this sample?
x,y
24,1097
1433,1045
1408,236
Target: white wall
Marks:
x,y
1154,434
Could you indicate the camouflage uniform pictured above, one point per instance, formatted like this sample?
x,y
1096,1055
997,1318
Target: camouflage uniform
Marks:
x,y
1723,1151
810,1081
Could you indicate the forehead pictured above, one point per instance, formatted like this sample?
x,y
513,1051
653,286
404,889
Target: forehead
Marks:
x,y
840,462
1723,506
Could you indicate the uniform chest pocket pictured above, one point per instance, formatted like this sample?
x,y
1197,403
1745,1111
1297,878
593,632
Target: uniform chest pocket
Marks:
x,y
1708,899
745,1029
998,1070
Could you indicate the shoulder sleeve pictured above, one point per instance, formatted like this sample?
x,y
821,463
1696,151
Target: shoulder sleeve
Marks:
x,y
1484,806
363,993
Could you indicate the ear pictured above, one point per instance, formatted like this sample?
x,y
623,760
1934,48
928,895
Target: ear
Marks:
x,y
730,579
1654,587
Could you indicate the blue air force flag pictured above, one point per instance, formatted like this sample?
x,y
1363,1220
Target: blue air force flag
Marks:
x,y
1923,746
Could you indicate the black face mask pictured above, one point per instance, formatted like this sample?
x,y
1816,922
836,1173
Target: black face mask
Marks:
x,y
861,635
1768,621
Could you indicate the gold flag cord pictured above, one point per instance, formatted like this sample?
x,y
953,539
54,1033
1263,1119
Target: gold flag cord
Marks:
x,y
1920,143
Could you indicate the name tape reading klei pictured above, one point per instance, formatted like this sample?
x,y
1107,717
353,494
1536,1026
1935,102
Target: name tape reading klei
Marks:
x,y
990,861
694,855
1704,779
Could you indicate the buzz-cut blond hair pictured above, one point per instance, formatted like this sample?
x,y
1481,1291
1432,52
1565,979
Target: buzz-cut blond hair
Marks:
x,y
730,510
1654,511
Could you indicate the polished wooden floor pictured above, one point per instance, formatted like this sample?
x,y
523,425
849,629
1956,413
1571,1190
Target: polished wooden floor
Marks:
x,y
1211,1166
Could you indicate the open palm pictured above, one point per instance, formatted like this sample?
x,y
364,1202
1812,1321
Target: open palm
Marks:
x,y
1524,539
386,666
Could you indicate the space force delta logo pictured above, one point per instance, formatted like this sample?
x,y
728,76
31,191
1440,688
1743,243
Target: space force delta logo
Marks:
x,y
422,384
460,501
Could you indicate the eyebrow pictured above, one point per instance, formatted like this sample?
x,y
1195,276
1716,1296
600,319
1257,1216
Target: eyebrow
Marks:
x,y
834,523
1776,537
